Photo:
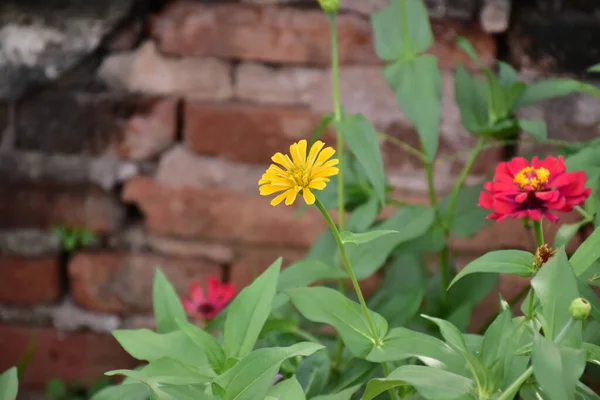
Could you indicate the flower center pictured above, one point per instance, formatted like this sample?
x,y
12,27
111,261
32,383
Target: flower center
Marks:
x,y
206,308
300,176
533,177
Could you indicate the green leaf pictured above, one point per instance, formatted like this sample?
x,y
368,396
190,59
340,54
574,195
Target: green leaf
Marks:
x,y
388,30
556,287
168,392
145,345
362,238
471,97
248,312
288,389
467,219
167,305
170,372
313,373
594,68
321,128
345,394
130,391
507,74
363,216
431,383
328,306
468,48
252,377
495,339
587,253
556,369
553,88
566,232
515,262
592,352
417,84
537,129
205,341
398,307
401,344
9,384
585,393
306,272
450,333
362,140
410,223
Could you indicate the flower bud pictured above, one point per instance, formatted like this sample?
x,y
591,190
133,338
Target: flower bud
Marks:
x,y
543,254
330,6
580,308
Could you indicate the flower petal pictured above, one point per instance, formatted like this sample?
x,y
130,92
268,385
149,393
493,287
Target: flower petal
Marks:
x,y
291,197
196,293
324,155
280,198
314,152
266,190
309,197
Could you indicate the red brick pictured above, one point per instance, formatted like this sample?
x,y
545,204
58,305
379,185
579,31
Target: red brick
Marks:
x,y
216,130
220,214
70,357
29,281
122,282
42,205
287,35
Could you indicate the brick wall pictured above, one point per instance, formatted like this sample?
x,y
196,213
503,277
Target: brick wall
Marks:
x,y
157,141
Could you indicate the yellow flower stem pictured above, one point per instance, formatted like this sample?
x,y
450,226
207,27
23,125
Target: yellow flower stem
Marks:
x,y
349,269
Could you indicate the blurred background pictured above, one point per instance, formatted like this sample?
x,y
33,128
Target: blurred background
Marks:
x,y
133,133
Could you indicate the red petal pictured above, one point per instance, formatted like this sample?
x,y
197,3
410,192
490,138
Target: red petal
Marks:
x,y
559,204
517,164
534,214
551,217
521,197
548,196
559,181
188,305
196,293
503,207
486,200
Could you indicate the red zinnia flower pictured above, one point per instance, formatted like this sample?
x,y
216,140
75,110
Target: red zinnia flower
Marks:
x,y
207,307
521,189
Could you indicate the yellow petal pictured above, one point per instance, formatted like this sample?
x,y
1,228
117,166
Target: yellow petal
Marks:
x,y
298,153
327,172
314,152
291,197
283,160
279,198
266,190
318,185
325,155
309,197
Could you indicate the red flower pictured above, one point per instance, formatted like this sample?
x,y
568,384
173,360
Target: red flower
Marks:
x,y
535,190
207,307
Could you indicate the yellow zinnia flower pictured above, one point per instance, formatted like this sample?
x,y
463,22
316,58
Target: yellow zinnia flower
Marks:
x,y
299,173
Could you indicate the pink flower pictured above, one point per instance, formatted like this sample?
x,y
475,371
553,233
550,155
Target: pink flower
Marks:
x,y
533,190
206,307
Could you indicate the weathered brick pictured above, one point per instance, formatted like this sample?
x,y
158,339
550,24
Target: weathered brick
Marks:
x,y
215,130
145,70
217,252
28,242
43,205
288,35
122,282
70,357
93,124
219,213
29,281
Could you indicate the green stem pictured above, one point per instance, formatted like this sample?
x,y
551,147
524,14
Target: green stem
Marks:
x,y
512,390
349,270
531,303
539,233
386,372
584,214
402,145
302,334
337,112
461,180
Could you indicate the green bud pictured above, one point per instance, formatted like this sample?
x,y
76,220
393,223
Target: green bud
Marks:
x,y
330,6
580,308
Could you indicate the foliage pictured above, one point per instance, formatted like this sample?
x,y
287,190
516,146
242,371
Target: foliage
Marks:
x,y
71,238
408,340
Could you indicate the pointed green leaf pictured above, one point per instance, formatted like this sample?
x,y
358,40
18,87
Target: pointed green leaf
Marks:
x,y
515,262
467,218
566,232
401,344
167,305
205,341
556,369
450,333
593,352
537,129
248,312
252,377
556,287
431,383
388,29
328,306
345,394
594,68
313,373
306,272
362,140
417,84
321,128
363,216
365,237
130,391
507,74
9,384
471,97
288,389
587,253
468,48
552,88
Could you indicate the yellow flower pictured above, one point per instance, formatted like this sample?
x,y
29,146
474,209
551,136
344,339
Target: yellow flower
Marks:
x,y
299,173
